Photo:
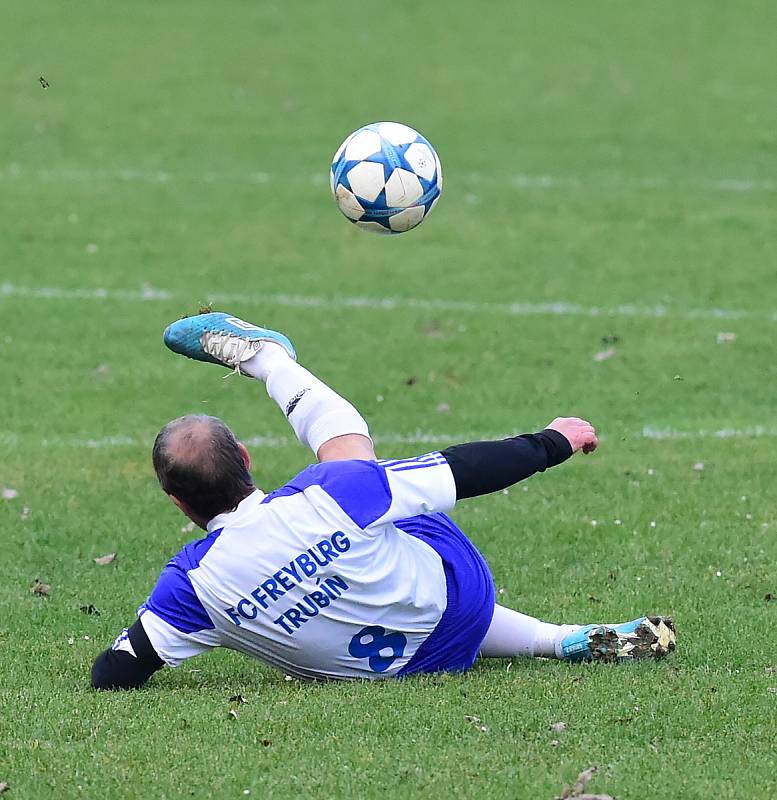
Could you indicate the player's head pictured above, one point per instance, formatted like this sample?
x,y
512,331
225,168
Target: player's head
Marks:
x,y
202,466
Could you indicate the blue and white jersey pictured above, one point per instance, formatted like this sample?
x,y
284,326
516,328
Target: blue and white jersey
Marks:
x,y
345,572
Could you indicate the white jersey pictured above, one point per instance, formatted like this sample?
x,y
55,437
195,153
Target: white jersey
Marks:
x,y
331,576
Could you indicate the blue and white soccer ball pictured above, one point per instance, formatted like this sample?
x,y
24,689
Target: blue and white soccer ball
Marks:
x,y
386,177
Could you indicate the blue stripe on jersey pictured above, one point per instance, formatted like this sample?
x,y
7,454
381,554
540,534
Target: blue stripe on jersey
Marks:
x,y
173,599
455,643
360,488
425,457
406,467
431,458
397,461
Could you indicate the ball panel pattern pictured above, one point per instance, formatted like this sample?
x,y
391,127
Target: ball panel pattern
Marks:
x,y
348,204
362,145
367,180
396,133
403,189
421,160
407,219
386,177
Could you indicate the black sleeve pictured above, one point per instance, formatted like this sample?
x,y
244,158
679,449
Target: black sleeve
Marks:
x,y
484,467
118,669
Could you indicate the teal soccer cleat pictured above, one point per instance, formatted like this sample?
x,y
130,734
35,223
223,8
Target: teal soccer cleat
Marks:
x,y
646,637
220,338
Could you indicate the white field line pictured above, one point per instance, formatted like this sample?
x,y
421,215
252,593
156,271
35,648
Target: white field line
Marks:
x,y
10,440
15,171
337,303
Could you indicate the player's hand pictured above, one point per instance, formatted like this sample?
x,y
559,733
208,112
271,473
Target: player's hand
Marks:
x,y
580,434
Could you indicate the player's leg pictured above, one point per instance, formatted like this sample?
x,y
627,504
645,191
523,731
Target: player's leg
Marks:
x,y
515,634
320,417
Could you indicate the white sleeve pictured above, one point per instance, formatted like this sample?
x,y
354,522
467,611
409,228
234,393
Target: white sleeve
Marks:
x,y
422,485
172,645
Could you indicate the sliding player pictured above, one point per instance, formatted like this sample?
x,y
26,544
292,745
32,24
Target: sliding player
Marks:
x,y
352,569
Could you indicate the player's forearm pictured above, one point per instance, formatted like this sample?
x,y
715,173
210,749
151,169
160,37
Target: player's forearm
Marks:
x,y
483,467
119,669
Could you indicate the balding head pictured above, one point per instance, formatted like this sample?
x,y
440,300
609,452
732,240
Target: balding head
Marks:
x,y
198,461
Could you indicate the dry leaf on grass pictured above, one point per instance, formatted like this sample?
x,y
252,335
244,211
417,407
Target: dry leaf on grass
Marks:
x,y
726,336
188,528
103,560
582,780
9,494
577,792
43,589
266,742
4,787
90,609
25,513
699,466
232,713
442,408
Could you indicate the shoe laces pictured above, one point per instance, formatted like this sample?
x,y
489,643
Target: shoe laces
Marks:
x,y
229,349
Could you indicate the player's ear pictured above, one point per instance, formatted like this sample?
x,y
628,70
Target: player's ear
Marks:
x,y
244,455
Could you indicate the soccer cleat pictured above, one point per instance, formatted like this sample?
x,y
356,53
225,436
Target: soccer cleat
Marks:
x,y
646,637
219,338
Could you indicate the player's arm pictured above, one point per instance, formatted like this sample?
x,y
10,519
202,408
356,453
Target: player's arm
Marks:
x,y
129,663
393,490
341,448
483,467
172,627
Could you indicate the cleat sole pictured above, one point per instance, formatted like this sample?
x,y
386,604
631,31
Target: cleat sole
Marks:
x,y
655,637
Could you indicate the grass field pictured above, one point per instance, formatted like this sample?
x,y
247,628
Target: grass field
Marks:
x,y
611,182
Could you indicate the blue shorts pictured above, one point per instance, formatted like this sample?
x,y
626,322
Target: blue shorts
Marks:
x,y
455,643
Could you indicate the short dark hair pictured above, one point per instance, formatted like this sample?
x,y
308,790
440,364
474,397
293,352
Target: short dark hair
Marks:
x,y
197,459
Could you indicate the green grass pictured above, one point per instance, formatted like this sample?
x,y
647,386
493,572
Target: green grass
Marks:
x,y
599,155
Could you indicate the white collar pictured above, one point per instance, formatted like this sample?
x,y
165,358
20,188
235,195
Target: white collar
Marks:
x,y
245,505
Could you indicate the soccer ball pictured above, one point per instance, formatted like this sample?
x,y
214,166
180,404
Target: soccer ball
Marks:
x,y
386,177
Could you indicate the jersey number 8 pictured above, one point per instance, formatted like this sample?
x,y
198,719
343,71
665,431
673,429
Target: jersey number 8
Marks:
x,y
373,642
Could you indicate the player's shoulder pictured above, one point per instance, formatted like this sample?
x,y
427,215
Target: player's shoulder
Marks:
x,y
359,487
173,598
192,553
330,474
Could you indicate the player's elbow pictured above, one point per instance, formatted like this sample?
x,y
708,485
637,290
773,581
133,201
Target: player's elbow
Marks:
x,y
104,677
114,670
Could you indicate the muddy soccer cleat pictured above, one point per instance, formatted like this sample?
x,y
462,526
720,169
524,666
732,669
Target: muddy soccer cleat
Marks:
x,y
646,637
222,339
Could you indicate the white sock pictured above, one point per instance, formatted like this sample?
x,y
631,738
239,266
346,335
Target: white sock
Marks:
x,y
515,634
315,412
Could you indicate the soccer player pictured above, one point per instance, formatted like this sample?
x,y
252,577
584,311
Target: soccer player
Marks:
x,y
352,569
